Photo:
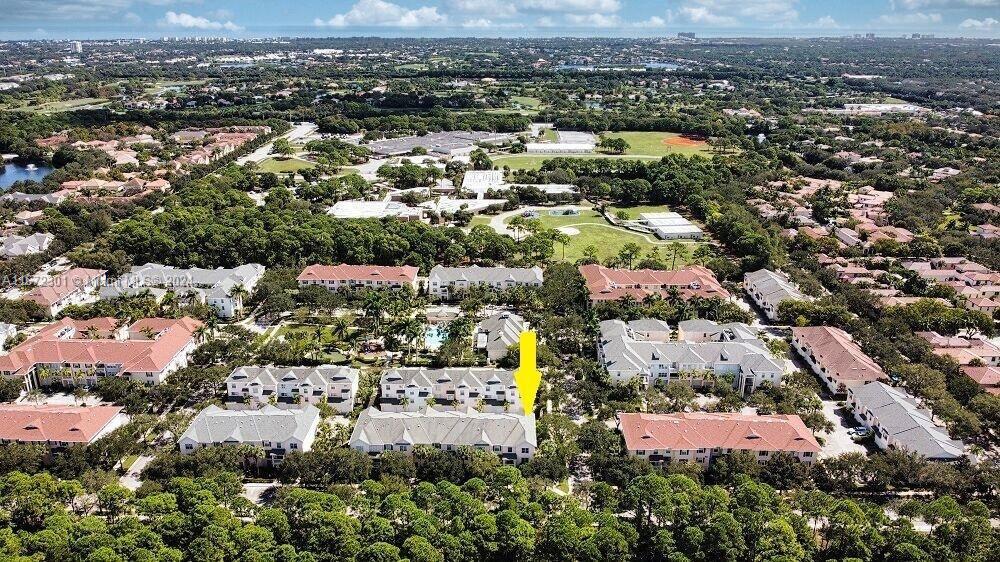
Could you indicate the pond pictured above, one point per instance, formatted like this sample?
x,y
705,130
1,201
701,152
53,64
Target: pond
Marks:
x,y
16,172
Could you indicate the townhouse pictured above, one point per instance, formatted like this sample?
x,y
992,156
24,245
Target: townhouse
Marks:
x,y
447,282
769,289
706,353
899,422
57,426
75,352
14,245
702,437
278,432
512,437
607,284
835,358
978,285
222,289
497,332
414,389
336,277
327,384
75,286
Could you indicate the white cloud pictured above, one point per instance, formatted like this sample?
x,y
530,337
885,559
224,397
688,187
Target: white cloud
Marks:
x,y
985,24
480,23
492,8
187,21
915,18
571,6
825,22
384,14
731,13
944,4
593,20
653,21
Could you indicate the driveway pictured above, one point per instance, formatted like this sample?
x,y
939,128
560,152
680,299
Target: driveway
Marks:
x,y
838,441
130,479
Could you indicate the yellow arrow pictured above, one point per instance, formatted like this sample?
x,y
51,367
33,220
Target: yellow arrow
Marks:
x,y
527,376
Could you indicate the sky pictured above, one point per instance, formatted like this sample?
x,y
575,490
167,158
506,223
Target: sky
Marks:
x,y
99,19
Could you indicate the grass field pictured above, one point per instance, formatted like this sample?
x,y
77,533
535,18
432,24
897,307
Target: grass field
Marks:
x,y
527,102
277,166
634,212
67,105
656,144
534,162
592,230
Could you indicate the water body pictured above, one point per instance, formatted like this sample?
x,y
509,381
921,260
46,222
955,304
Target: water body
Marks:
x,y
16,172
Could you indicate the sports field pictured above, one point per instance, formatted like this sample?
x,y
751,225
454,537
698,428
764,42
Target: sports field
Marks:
x,y
284,166
590,229
535,161
658,144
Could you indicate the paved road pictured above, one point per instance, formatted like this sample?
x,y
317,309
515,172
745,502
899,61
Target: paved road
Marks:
x,y
130,479
298,132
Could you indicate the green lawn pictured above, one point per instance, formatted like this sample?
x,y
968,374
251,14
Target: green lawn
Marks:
x,y
279,166
634,212
593,230
645,143
535,161
66,105
550,135
527,102
479,219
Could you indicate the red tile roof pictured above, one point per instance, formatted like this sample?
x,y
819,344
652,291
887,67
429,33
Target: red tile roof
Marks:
x,y
65,342
834,349
39,424
63,285
700,430
987,377
607,284
344,272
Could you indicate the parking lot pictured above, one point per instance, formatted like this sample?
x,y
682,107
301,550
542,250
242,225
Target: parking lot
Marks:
x,y
839,441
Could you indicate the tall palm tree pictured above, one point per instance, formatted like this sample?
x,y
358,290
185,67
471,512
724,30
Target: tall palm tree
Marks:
x,y
238,292
677,250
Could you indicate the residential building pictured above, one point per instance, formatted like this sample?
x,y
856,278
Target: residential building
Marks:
x,y
222,289
73,352
701,437
899,422
835,358
706,353
14,245
446,282
276,431
606,284
964,351
76,286
325,384
413,389
497,332
510,436
769,289
988,378
57,426
335,277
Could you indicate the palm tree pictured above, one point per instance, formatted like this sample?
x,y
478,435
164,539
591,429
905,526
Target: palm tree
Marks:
x,y
373,305
677,250
413,330
202,333
238,292
562,238
339,327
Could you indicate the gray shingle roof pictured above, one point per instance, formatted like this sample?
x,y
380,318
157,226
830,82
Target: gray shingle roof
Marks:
x,y
375,427
500,331
476,274
270,375
216,425
215,283
473,377
901,416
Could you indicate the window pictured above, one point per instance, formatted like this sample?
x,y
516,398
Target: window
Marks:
x,y
293,445
188,446
524,450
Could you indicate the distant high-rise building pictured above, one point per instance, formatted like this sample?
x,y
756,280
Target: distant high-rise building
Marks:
x,y
77,47
869,35
686,35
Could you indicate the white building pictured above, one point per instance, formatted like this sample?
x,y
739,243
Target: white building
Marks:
x,y
670,225
769,289
497,332
510,436
14,245
413,389
705,353
356,209
445,282
559,148
899,422
324,384
218,288
278,432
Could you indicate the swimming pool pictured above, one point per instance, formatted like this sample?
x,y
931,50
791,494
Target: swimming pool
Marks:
x,y
433,337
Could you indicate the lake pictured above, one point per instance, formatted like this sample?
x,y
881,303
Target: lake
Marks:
x,y
17,172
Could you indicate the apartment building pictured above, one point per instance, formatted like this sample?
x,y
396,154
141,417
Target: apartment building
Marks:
x,y
222,289
446,282
607,284
510,436
57,426
835,358
75,286
75,352
702,437
412,389
497,332
706,353
278,432
284,386
769,289
336,277
898,421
